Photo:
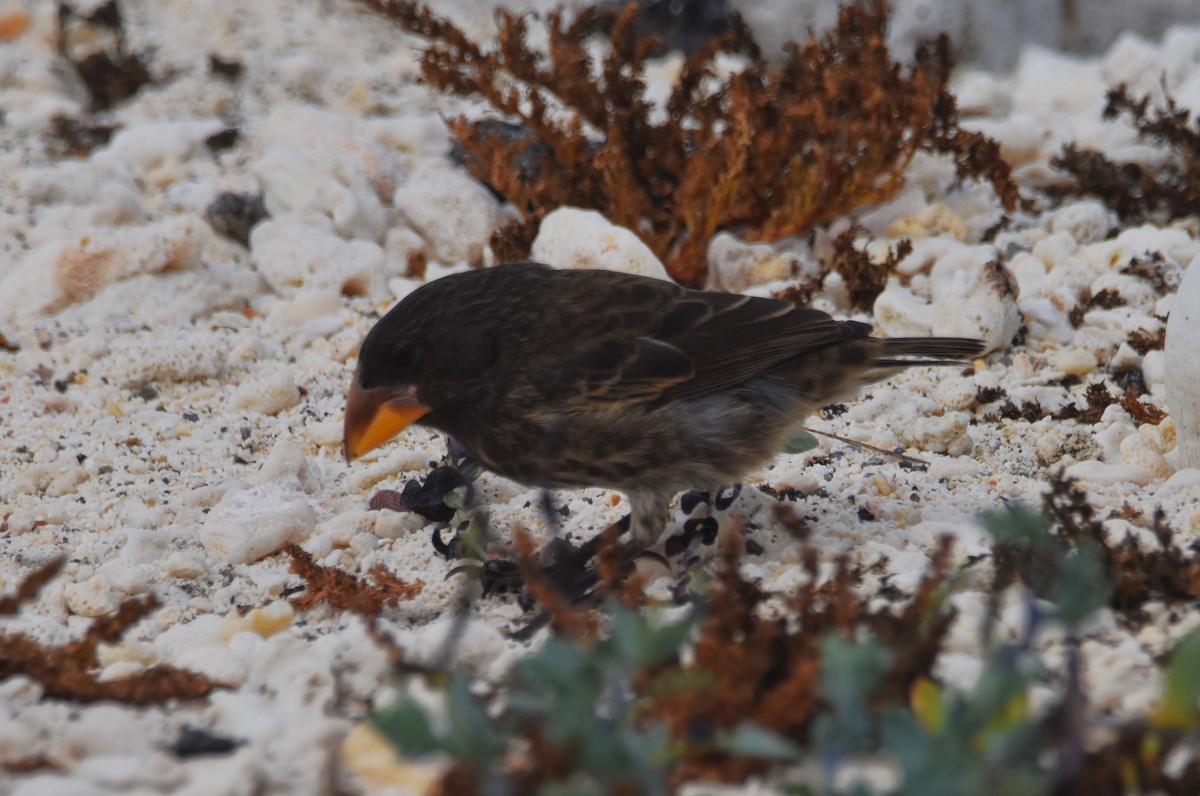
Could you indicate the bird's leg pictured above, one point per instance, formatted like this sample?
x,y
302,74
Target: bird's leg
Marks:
x,y
549,513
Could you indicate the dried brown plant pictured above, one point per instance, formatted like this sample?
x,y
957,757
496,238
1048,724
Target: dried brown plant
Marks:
x,y
70,671
109,72
768,151
765,668
1134,190
365,596
1170,573
865,279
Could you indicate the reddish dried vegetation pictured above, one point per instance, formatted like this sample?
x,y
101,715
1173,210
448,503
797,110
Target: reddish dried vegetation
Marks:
x,y
758,655
764,667
865,279
769,151
1097,398
70,671
366,596
1170,573
1131,189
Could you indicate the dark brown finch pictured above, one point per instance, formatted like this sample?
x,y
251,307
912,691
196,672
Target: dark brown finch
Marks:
x,y
563,379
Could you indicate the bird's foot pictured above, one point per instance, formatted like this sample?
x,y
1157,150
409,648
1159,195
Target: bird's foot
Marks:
x,y
700,530
561,576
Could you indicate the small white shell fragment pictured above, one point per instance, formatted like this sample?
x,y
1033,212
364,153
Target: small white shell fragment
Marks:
x,y
92,597
1154,369
946,434
184,356
574,238
344,526
955,392
1163,436
452,212
307,305
1182,365
317,162
1048,81
143,147
1109,439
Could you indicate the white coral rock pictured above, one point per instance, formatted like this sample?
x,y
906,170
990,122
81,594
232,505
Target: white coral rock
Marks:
x,y
574,238
1182,366
959,298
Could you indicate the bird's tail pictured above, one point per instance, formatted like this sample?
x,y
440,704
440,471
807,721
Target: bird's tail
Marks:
x,y
906,352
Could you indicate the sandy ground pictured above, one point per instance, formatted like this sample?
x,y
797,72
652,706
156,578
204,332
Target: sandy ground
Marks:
x,y
172,400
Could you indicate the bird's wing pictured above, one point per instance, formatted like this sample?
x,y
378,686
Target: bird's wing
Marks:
x,y
662,342
744,337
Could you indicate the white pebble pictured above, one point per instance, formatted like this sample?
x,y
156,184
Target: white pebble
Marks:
x,y
1154,368
735,266
320,163
250,524
215,662
140,148
1086,222
932,221
452,212
268,391
1046,80
1138,451
947,433
345,525
308,304
574,238
1103,473
287,466
92,597
1076,361
302,252
183,356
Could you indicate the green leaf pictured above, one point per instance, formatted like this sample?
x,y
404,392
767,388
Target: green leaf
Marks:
x,y
1020,526
850,670
800,441
1083,585
408,729
639,645
749,739
929,705
455,498
1181,688
471,736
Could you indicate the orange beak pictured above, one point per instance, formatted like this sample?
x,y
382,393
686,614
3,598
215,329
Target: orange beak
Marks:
x,y
376,415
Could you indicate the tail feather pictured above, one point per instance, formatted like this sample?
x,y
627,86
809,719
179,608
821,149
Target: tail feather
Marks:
x,y
904,352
